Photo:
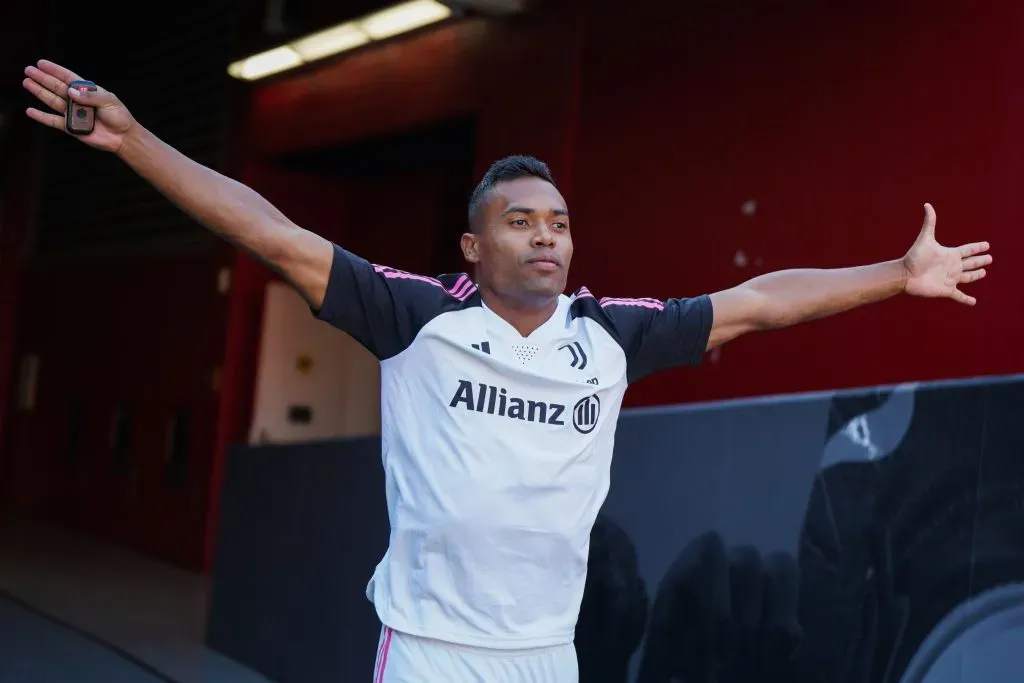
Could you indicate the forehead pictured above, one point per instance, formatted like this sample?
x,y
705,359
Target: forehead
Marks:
x,y
528,193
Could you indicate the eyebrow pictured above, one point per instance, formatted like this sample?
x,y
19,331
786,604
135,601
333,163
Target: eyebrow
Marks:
x,y
530,212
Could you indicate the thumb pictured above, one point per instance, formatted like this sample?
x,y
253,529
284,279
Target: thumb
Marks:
x,y
92,98
928,228
962,298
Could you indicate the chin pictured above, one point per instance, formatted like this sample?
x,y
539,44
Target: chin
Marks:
x,y
548,288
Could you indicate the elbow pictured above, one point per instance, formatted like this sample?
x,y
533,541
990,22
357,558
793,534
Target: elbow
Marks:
x,y
770,311
772,317
765,313
278,243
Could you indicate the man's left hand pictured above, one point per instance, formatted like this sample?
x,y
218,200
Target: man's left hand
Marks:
x,y
933,270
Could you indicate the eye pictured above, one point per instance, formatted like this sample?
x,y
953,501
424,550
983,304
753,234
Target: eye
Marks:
x,y
520,222
560,226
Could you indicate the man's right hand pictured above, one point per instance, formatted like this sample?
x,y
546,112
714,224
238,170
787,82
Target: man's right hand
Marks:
x,y
49,82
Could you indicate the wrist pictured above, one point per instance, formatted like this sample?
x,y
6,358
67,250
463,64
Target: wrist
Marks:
x,y
131,141
904,274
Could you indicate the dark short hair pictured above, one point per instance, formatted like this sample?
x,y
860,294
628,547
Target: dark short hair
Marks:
x,y
510,168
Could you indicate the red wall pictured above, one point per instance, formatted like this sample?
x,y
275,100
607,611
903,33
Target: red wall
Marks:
x,y
839,119
147,331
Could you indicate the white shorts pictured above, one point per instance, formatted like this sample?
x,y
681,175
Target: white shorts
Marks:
x,y
402,658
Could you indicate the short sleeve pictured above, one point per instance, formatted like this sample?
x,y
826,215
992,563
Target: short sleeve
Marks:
x,y
657,335
384,308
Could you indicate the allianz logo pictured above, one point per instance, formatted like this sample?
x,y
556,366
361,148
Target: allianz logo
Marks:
x,y
494,400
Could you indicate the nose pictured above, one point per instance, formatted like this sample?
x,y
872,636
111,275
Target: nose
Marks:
x,y
543,237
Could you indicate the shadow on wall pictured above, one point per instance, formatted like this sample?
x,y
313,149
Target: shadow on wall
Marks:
x,y
909,569
719,615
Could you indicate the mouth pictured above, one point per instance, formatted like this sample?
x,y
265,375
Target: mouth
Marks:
x,y
544,263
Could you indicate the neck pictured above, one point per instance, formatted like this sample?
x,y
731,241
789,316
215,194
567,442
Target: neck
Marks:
x,y
525,317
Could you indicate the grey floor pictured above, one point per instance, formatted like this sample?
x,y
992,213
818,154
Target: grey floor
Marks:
x,y
76,609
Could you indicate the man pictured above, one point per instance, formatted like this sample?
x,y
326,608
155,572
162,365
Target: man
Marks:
x,y
500,394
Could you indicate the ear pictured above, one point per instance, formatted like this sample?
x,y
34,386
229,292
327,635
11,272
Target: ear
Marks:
x,y
470,244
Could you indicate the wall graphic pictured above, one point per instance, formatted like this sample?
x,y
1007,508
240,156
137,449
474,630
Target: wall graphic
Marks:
x,y
871,536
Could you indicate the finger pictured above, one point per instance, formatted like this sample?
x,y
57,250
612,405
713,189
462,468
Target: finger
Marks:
x,y
65,76
50,99
972,249
928,228
51,120
962,298
972,275
47,81
976,262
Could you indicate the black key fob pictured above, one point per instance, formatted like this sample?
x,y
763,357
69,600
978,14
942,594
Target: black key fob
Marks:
x,y
79,119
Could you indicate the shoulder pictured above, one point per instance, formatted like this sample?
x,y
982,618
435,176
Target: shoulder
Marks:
x,y
610,308
614,310
654,333
385,307
356,283
447,288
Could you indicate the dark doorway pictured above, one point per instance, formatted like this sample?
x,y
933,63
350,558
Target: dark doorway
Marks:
x,y
406,193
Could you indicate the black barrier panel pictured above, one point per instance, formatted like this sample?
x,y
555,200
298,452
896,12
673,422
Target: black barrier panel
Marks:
x,y
301,530
740,471
871,536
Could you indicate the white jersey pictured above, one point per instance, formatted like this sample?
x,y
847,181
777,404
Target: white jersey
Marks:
x,y
496,447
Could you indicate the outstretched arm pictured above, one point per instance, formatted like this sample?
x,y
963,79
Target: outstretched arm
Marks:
x,y
234,211
224,206
789,297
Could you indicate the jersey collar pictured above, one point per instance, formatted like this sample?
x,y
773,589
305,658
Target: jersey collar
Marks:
x,y
548,328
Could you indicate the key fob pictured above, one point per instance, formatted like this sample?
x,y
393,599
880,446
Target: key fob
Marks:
x,y
79,119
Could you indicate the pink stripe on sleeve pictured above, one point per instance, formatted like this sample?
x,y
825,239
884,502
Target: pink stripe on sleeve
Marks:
x,y
402,275
461,290
584,293
458,285
642,303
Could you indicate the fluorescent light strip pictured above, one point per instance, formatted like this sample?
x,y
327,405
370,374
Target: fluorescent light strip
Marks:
x,y
401,18
330,42
266,63
387,23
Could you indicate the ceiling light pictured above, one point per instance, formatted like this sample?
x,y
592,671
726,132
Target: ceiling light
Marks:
x,y
387,23
329,42
405,17
265,63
